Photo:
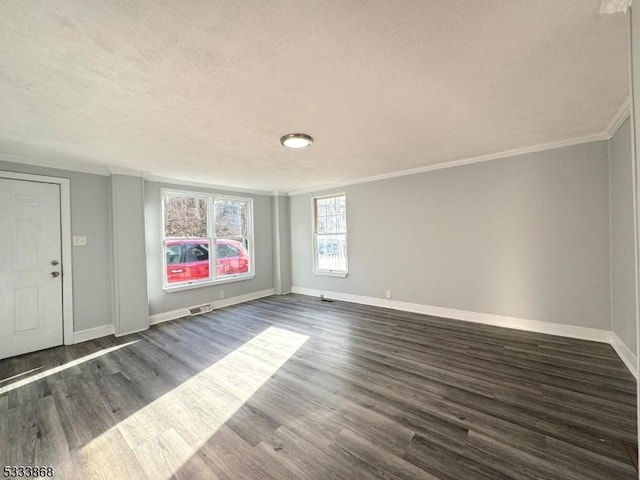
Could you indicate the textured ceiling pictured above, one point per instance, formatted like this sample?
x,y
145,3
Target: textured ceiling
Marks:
x,y
202,90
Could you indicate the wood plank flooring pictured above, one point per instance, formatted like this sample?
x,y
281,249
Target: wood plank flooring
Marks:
x,y
294,388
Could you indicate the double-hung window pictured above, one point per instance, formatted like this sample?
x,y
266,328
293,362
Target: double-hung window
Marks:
x,y
330,235
206,238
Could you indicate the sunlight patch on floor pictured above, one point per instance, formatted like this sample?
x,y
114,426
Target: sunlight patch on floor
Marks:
x,y
17,375
164,434
58,369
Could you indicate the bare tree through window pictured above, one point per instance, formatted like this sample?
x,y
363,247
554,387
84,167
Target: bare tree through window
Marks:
x,y
185,216
230,218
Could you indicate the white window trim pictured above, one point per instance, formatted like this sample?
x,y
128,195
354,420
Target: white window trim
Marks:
x,y
318,271
178,287
331,273
210,197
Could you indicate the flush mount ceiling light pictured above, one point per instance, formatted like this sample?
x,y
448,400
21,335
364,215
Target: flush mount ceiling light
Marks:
x,y
296,140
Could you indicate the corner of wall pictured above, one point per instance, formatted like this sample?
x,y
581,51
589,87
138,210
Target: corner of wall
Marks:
x,y
275,230
626,355
610,249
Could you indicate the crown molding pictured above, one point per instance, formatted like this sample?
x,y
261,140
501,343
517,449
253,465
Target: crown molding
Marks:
x,y
457,163
620,116
623,112
107,171
57,164
187,183
616,122
126,171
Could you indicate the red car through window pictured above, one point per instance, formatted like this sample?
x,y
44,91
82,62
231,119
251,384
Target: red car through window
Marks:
x,y
188,260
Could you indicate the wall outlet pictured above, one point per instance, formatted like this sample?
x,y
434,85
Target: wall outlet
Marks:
x,y
388,294
221,294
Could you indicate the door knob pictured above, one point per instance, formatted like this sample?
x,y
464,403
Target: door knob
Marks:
x,y
55,274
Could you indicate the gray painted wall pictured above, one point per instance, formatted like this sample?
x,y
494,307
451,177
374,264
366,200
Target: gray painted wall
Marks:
x,y
161,301
285,244
282,244
131,306
623,276
526,236
90,207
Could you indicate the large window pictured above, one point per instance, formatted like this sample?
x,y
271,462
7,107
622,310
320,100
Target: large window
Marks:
x,y
330,235
192,224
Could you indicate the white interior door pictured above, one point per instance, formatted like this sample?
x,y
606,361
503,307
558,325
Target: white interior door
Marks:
x,y
30,267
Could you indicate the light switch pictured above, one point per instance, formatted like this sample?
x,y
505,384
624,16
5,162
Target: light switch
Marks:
x,y
79,241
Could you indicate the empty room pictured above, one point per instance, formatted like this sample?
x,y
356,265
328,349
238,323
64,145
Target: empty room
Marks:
x,y
282,240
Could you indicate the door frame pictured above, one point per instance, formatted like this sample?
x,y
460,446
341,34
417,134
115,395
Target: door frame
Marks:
x,y
65,236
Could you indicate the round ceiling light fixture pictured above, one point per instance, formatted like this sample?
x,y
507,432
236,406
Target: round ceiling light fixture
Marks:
x,y
296,140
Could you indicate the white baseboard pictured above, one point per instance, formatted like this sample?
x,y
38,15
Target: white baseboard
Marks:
x,y
537,326
124,334
183,312
572,331
243,298
625,354
166,316
91,333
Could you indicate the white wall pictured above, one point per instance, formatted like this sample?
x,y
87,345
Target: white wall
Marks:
x,y
525,237
623,262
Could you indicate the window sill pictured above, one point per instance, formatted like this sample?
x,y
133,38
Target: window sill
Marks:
x,y
331,273
209,283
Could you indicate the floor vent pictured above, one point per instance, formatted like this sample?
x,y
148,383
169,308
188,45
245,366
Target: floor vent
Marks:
x,y
207,307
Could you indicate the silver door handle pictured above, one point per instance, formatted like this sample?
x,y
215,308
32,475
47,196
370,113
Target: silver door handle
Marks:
x,y
55,274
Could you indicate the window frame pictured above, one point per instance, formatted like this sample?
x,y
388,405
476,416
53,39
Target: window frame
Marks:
x,y
314,238
213,254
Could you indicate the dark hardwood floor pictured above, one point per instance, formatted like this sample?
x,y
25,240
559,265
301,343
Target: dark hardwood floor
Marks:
x,y
294,388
